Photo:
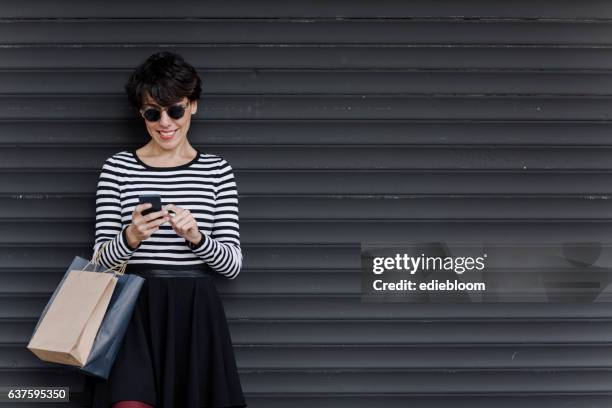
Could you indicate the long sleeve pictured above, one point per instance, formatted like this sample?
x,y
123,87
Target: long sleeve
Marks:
x,y
221,249
108,220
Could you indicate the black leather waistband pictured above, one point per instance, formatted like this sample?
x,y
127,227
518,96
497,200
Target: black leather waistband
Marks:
x,y
169,273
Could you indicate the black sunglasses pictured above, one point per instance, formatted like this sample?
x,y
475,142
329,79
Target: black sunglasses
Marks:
x,y
154,114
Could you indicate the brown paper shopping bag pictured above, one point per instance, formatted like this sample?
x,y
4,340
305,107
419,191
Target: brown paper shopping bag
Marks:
x,y
67,331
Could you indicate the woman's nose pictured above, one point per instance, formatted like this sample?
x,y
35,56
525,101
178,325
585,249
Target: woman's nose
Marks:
x,y
165,119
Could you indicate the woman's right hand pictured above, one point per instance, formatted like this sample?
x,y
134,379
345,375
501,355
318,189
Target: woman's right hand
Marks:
x,y
143,226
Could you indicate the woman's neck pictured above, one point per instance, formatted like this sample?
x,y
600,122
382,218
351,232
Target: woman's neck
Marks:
x,y
177,156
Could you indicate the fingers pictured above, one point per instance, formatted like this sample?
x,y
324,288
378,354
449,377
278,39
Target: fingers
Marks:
x,y
183,227
144,228
146,225
180,215
151,231
153,223
173,210
183,221
157,222
155,215
185,224
141,207
151,216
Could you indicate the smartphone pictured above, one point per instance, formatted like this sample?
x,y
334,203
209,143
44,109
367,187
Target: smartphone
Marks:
x,y
154,199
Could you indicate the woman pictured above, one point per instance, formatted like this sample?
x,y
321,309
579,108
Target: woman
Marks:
x,y
177,351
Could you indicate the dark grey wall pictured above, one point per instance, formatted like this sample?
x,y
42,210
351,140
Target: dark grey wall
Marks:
x,y
345,122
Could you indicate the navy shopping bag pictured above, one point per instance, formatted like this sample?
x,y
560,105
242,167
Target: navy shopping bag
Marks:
x,y
114,325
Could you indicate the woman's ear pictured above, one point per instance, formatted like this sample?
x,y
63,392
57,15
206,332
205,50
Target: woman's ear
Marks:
x,y
194,107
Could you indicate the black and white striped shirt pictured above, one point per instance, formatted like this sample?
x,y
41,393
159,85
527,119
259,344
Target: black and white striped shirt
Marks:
x,y
205,186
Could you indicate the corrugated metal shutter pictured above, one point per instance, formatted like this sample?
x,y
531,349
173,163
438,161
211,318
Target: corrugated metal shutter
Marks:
x,y
345,122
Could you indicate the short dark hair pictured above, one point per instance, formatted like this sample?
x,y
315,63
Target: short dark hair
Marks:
x,y
166,77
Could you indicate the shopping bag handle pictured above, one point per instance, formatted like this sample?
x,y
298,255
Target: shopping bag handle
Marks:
x,y
95,260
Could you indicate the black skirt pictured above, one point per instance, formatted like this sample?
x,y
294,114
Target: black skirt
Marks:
x,y
177,351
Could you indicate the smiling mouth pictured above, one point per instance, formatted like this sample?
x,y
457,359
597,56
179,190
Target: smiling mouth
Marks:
x,y
167,134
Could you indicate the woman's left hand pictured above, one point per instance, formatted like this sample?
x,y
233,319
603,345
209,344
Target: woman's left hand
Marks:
x,y
184,224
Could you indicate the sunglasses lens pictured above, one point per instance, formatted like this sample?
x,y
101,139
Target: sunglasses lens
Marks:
x,y
176,111
152,115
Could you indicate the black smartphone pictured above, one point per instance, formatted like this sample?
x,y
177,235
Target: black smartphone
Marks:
x,y
154,199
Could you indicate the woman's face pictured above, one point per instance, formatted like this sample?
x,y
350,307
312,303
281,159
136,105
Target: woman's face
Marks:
x,y
169,133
